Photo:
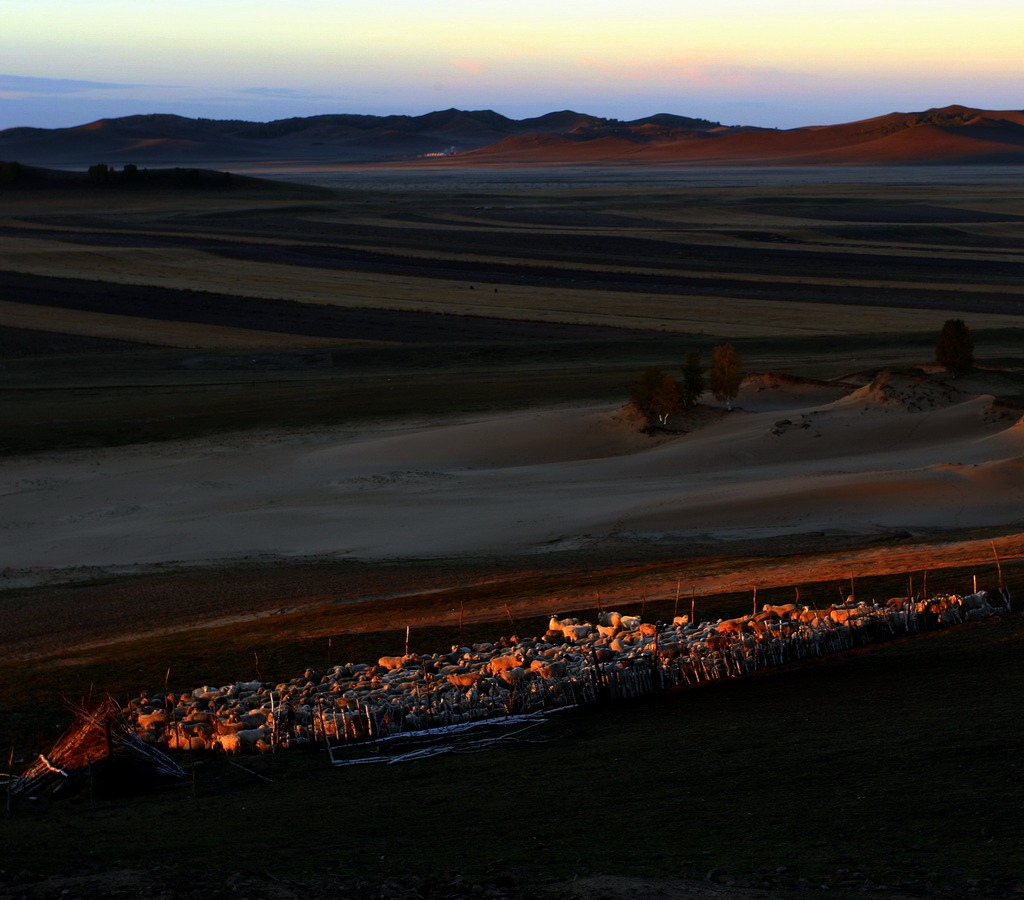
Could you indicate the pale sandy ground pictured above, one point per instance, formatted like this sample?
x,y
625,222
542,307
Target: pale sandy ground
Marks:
x,y
798,458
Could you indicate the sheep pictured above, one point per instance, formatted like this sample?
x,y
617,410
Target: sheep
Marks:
x,y
577,632
466,679
181,740
978,601
359,701
154,720
393,662
732,626
848,615
242,740
499,664
514,676
554,669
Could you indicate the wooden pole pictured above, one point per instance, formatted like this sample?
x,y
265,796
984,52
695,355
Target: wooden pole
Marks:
x,y
975,584
511,621
853,593
407,629
693,606
10,777
256,657
999,565
924,586
754,613
675,609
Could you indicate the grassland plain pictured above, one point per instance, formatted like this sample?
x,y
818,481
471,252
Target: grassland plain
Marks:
x,y
158,316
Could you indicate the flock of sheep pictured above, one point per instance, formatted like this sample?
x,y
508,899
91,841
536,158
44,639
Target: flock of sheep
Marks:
x,y
573,663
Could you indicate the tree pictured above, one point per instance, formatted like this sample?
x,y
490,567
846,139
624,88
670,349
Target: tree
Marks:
x,y
100,173
655,393
726,373
694,383
955,348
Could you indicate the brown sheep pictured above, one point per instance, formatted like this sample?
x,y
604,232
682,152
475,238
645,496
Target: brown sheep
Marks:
x,y
553,669
501,663
733,626
467,679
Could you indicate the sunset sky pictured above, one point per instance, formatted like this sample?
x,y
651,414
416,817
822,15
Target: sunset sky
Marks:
x,y
782,63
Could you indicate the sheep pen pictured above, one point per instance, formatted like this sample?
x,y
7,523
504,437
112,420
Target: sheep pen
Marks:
x,y
572,664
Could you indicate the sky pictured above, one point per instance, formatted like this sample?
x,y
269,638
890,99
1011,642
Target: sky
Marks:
x,y
780,63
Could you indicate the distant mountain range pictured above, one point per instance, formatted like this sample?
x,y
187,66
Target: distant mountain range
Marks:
x,y
951,135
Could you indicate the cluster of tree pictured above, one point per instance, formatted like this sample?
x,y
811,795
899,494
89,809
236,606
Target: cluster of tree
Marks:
x,y
658,395
102,174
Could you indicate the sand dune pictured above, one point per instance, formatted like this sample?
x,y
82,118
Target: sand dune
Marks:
x,y
901,452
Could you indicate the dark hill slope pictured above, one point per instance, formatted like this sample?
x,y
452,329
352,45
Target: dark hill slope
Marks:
x,y
339,138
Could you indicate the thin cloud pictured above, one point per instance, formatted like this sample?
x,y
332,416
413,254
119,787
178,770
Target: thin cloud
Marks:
x,y
280,93
695,72
24,85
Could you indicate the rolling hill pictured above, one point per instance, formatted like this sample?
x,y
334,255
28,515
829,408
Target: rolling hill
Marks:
x,y
150,139
950,135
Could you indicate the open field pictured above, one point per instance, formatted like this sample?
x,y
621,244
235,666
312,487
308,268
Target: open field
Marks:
x,y
252,421
726,261
821,279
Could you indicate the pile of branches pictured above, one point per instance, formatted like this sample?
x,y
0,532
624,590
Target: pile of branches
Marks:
x,y
100,744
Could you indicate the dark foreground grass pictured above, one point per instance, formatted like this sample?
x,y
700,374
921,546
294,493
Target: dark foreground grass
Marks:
x,y
899,765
